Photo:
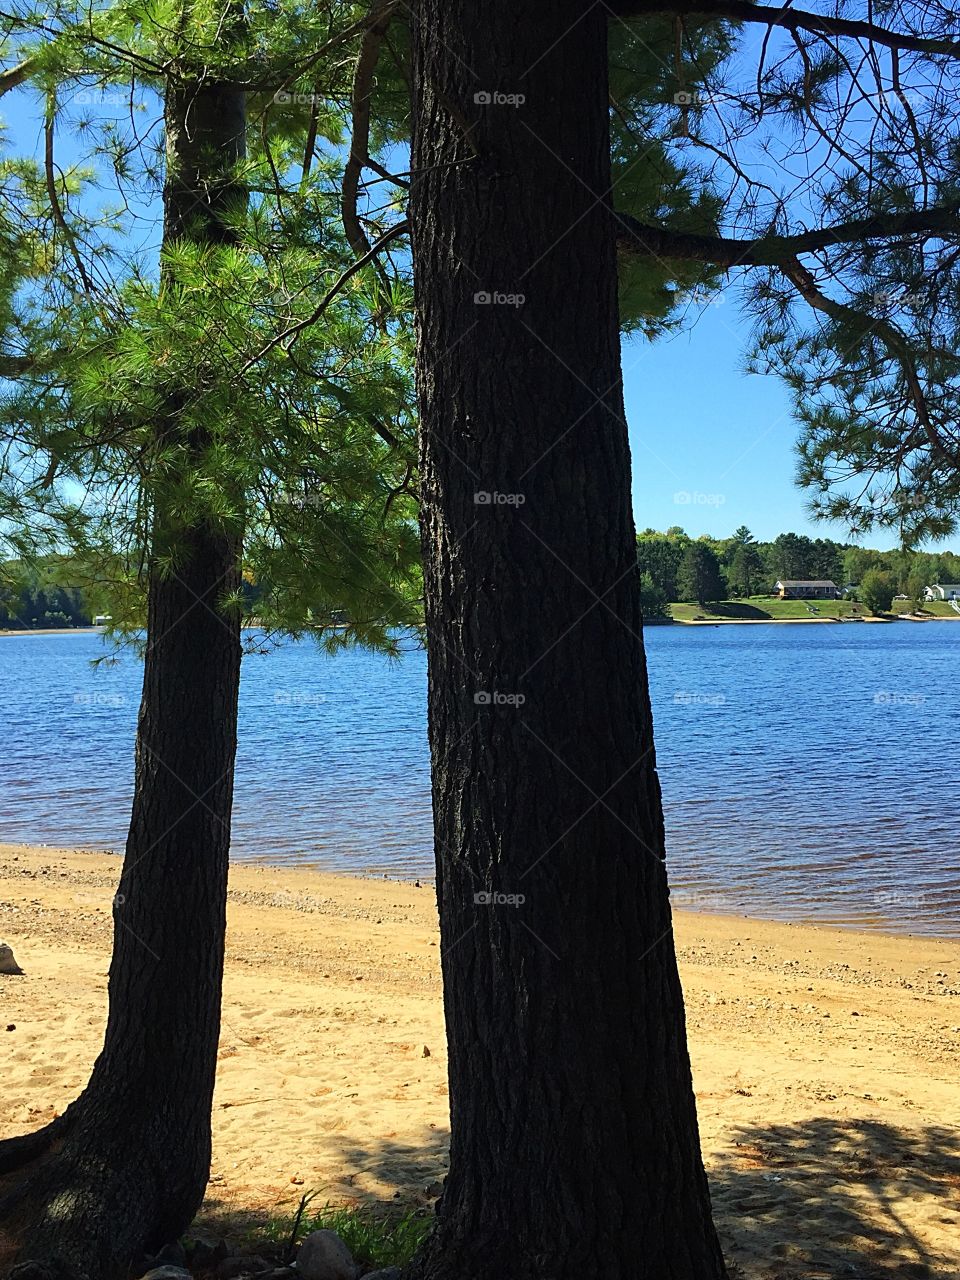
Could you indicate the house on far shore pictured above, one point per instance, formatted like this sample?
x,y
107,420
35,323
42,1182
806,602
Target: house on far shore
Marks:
x,y
942,591
807,589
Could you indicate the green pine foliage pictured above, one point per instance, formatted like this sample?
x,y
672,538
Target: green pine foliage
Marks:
x,y
652,181
306,414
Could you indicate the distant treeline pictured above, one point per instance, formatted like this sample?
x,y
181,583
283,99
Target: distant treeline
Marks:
x,y
31,598
675,566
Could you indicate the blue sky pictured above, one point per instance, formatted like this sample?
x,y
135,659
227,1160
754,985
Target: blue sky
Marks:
x,y
712,446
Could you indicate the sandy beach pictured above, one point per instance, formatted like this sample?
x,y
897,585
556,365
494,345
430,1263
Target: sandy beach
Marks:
x,y
825,1062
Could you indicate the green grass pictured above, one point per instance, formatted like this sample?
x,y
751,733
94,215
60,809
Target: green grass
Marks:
x,y
769,608
377,1236
766,608
934,609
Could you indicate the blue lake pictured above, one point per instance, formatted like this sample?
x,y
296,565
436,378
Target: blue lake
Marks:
x,y
809,772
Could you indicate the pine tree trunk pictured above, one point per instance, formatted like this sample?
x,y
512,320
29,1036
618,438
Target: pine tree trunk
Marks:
x,y
125,1170
575,1152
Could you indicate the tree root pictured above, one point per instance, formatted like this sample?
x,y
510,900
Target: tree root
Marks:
x,y
92,1208
17,1153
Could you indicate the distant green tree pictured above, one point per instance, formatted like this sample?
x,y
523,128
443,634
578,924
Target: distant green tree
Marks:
x,y
793,556
745,570
653,601
877,590
917,580
742,536
826,560
658,557
699,578
38,593
856,562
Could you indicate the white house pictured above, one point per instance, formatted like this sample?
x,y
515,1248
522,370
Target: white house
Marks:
x,y
807,589
942,591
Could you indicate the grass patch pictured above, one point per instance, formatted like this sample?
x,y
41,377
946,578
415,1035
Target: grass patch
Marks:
x,y
771,608
376,1235
931,608
767,608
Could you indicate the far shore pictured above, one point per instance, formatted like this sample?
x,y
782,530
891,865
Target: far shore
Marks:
x,y
648,622
788,622
52,631
825,1061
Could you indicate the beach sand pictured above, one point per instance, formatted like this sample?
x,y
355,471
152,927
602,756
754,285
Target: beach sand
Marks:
x,y
825,1062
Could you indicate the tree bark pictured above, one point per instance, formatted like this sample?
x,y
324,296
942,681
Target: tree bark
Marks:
x,y
574,1149
125,1169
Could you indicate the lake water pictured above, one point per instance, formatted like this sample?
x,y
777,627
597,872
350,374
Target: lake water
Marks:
x,y
809,772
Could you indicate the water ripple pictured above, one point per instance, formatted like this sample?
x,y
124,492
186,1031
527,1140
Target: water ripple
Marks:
x,y
809,773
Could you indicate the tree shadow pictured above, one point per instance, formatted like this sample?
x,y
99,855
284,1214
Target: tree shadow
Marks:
x,y
382,1175
381,1227
840,1198
736,609
824,1199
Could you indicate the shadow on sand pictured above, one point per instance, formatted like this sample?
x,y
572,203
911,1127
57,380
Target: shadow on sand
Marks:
x,y
841,1198
827,1199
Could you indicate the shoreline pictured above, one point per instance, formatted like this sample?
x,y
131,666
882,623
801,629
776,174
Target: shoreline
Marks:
x,y
54,631
824,1060
788,622
879,927
647,622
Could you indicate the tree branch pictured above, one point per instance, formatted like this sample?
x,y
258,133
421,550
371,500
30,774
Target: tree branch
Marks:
x,y
399,229
15,77
16,366
380,18
637,237
55,206
891,337
790,19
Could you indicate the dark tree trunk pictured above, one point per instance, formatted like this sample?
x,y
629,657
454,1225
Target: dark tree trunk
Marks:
x,y
575,1152
125,1169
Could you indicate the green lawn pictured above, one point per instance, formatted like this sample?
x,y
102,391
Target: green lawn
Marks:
x,y
766,608
935,609
762,608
